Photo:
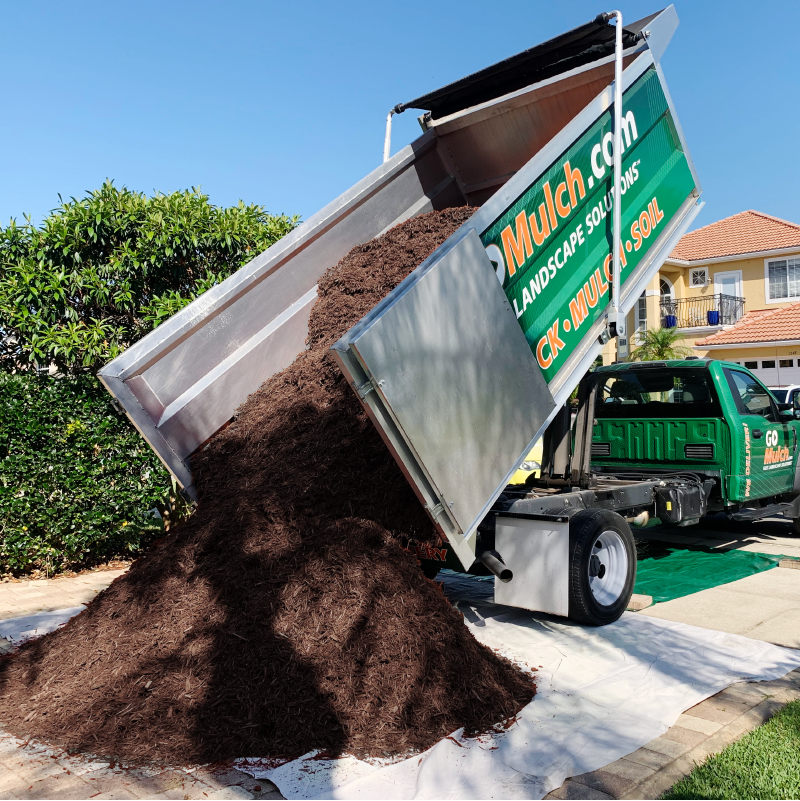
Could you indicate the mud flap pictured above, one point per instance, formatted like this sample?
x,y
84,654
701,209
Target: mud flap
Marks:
x,y
536,549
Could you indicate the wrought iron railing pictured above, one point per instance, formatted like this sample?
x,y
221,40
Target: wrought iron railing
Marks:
x,y
701,311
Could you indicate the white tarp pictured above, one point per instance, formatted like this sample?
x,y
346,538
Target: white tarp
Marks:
x,y
18,630
602,693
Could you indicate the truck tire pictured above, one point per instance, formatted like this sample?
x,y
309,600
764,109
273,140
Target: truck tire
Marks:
x,y
602,566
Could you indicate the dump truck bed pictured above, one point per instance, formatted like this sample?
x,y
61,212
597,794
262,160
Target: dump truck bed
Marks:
x,y
184,381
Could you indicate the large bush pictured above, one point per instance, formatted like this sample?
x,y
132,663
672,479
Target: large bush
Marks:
x,y
102,271
77,481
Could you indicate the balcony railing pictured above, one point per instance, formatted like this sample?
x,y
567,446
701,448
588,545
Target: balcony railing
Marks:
x,y
701,311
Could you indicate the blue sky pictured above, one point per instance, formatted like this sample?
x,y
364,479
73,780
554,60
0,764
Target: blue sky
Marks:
x,y
283,104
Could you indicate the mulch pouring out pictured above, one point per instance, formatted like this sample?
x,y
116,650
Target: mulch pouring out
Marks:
x,y
284,615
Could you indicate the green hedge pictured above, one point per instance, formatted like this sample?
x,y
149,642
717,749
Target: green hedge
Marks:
x,y
77,482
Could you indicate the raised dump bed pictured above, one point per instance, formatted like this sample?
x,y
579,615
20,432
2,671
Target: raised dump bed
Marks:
x,y
487,138
574,157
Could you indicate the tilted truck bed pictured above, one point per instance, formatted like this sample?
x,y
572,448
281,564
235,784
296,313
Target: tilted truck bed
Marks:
x,y
489,138
465,364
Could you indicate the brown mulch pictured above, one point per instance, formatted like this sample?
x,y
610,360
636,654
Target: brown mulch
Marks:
x,y
284,615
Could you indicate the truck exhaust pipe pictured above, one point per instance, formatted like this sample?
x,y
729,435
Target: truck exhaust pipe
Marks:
x,y
641,520
493,561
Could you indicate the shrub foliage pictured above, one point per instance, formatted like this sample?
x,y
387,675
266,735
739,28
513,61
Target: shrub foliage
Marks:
x,y
77,481
102,271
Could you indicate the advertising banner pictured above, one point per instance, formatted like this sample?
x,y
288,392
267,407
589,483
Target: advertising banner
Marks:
x,y
552,248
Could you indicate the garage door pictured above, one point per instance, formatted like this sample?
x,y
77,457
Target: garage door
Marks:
x,y
774,372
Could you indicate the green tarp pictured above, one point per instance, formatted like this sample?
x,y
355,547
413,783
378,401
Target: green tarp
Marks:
x,y
667,571
664,571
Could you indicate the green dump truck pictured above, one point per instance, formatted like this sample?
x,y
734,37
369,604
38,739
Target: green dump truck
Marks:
x,y
712,418
650,442
573,157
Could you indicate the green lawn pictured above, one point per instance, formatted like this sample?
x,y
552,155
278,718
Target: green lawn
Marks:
x,y
764,764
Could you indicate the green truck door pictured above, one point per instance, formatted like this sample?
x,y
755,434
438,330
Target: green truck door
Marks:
x,y
766,461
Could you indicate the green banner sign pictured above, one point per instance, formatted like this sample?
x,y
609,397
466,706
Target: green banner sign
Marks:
x,y
552,248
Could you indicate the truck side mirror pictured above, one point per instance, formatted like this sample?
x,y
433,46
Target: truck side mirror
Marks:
x,y
796,404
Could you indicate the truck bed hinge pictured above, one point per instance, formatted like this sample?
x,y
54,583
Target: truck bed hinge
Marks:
x,y
434,511
364,389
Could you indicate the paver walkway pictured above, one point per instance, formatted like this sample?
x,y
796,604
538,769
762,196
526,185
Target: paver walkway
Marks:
x,y
43,595
31,770
703,730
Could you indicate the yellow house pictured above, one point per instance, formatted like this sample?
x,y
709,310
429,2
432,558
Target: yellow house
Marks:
x,y
729,274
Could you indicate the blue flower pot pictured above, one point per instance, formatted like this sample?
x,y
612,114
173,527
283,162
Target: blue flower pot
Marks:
x,y
670,321
713,317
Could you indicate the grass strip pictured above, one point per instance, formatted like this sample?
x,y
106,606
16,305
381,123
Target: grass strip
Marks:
x,y
763,764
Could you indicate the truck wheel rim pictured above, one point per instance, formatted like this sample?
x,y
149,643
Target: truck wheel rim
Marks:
x,y
609,585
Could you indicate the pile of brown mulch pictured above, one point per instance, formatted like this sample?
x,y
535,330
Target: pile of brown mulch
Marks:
x,y
283,615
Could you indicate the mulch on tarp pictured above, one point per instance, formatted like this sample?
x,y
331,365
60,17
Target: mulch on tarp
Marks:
x,y
284,615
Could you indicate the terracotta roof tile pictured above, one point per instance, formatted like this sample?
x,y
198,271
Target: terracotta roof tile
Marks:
x,y
762,325
746,232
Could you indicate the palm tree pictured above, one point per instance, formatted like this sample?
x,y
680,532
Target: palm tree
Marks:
x,y
659,344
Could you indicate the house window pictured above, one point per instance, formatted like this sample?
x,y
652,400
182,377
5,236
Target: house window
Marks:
x,y
786,362
641,317
783,276
751,365
699,277
768,365
668,304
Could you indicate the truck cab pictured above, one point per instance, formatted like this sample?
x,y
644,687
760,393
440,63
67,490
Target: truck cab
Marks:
x,y
712,418
650,442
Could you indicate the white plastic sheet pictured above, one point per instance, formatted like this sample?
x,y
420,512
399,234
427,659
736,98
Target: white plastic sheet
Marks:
x,y
20,629
602,693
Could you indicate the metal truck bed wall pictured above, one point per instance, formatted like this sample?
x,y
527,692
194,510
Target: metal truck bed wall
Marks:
x,y
461,372
184,381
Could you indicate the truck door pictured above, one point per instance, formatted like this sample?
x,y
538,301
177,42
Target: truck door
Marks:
x,y
771,440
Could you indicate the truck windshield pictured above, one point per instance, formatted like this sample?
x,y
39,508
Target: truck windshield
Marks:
x,y
656,392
